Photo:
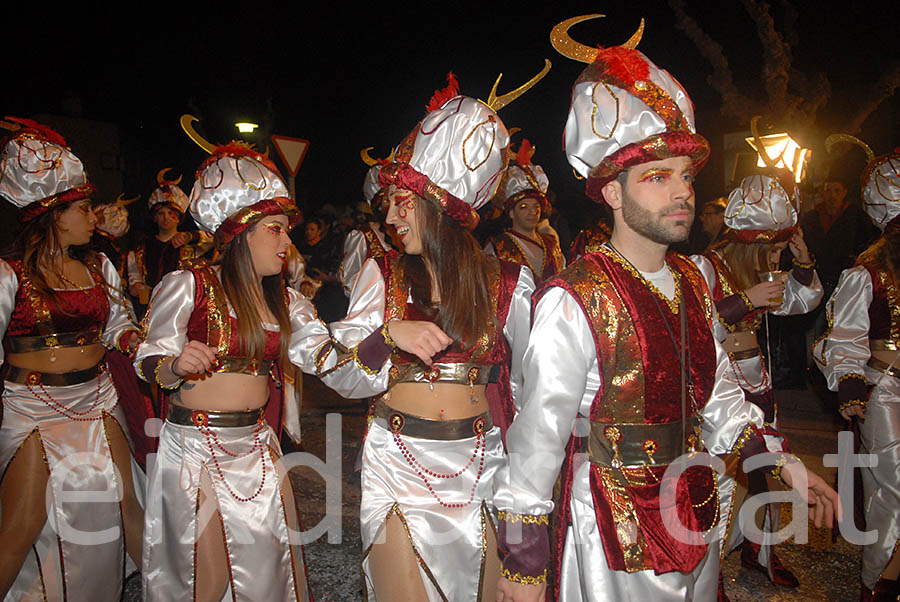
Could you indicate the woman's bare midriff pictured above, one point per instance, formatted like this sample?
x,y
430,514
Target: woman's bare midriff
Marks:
x,y
223,391
741,340
448,401
67,359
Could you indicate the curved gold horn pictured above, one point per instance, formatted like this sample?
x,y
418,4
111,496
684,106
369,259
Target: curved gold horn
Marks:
x,y
498,102
187,122
566,46
12,127
161,177
121,201
760,149
838,138
366,158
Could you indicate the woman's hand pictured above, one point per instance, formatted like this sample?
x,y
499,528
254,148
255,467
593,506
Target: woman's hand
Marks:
x,y
507,591
824,505
422,339
857,410
195,358
798,247
760,294
179,239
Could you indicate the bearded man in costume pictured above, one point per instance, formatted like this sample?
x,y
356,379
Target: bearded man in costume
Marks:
x,y
608,336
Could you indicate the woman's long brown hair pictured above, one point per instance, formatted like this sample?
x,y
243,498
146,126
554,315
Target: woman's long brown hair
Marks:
x,y
465,311
745,261
884,253
239,280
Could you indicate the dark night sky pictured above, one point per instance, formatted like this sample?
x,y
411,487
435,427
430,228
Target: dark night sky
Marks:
x,y
361,78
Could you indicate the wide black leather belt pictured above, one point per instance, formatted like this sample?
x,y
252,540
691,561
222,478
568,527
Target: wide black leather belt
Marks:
x,y
459,373
744,354
233,364
634,444
424,428
34,378
26,344
188,417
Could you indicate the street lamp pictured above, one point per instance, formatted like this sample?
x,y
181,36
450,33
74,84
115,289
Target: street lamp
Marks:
x,y
784,151
246,127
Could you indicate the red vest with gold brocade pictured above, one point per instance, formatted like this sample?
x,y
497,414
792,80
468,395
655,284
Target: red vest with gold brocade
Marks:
x,y
508,248
884,310
211,322
374,248
641,384
725,286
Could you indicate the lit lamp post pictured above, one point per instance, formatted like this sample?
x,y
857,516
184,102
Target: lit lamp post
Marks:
x,y
245,127
782,151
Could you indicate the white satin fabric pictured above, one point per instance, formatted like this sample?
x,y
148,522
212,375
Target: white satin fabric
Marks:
x,y
881,194
112,219
760,203
461,147
264,564
228,185
31,170
620,118
169,193
516,181
371,185
80,554
586,576
562,379
451,542
846,351
356,250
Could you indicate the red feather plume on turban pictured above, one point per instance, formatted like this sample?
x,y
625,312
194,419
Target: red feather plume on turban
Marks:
x,y
445,94
624,64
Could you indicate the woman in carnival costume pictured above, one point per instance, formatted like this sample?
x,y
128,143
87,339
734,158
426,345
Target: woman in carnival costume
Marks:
x,y
63,432
859,351
429,329
761,217
221,515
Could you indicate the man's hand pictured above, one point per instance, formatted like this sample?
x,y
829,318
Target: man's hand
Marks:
x,y
855,410
507,591
422,339
180,239
824,505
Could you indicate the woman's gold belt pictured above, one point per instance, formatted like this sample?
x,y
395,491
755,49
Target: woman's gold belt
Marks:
x,y
233,364
880,366
463,373
27,344
424,428
188,417
883,345
33,378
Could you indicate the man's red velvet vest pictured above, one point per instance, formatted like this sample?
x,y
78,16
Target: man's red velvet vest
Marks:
x,y
507,248
639,359
884,310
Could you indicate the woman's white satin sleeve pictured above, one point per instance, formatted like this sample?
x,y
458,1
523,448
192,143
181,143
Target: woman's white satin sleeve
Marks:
x,y
844,349
165,324
134,272
798,298
308,332
561,373
121,314
9,285
355,247
518,327
365,315
708,270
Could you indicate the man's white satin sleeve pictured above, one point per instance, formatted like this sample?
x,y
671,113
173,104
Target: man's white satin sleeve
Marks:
x,y
561,376
844,348
9,285
708,270
517,328
166,321
308,332
365,315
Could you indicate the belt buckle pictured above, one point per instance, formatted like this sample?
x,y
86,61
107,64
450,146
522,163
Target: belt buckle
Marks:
x,y
478,425
33,378
51,341
199,418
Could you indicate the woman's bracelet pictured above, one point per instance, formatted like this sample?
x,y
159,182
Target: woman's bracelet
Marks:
x,y
387,337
